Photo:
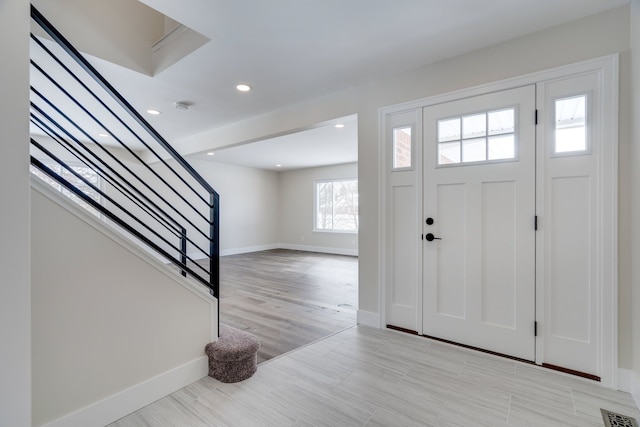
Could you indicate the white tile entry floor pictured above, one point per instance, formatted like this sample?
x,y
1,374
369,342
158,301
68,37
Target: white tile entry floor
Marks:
x,y
368,377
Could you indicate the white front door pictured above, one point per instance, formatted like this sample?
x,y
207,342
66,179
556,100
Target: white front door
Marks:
x,y
479,222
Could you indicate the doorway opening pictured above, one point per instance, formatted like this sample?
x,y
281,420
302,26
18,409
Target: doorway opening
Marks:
x,y
289,233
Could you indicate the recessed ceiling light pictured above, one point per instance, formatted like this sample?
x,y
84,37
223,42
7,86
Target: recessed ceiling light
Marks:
x,y
154,112
211,153
339,126
278,166
243,87
103,135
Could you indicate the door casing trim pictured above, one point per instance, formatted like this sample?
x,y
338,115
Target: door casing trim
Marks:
x,y
608,66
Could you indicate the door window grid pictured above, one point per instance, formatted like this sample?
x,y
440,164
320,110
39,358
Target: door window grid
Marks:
x,y
478,137
402,148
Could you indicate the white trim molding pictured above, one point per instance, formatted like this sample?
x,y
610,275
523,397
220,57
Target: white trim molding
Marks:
x,y
635,389
608,70
319,249
368,318
624,379
629,382
130,400
248,249
306,248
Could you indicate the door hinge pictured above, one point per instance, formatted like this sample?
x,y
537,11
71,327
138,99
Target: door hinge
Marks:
x,y
535,328
535,223
422,237
536,118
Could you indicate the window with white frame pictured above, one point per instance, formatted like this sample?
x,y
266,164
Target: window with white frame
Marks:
x,y
571,125
336,205
402,148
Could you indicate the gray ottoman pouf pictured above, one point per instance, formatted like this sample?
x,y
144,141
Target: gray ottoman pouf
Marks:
x,y
233,357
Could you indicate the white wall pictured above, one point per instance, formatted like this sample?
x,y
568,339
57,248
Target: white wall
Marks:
x,y
249,205
260,209
15,317
113,329
296,211
248,200
587,38
635,193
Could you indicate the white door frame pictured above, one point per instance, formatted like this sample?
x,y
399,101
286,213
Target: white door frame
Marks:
x,y
607,68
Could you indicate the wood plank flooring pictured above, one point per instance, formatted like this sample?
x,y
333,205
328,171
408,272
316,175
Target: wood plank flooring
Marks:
x,y
288,298
369,377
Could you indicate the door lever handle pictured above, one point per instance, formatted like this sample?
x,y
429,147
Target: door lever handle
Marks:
x,y
430,237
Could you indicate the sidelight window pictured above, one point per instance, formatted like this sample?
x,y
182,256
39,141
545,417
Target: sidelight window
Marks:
x,y
570,124
402,148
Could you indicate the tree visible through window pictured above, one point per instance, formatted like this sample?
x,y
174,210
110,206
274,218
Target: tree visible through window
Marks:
x,y
336,205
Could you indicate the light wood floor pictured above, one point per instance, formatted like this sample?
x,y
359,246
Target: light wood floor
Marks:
x,y
369,377
288,298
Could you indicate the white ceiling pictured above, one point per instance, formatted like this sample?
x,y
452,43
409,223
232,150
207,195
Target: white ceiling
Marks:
x,y
290,51
321,146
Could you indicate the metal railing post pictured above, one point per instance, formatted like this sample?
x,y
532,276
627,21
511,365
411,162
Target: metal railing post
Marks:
x,y
183,249
214,256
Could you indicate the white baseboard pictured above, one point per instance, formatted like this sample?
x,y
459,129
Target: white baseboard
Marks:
x,y
624,380
130,400
249,249
368,318
628,381
635,389
321,249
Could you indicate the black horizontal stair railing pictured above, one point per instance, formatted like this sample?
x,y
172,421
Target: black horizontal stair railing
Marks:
x,y
163,202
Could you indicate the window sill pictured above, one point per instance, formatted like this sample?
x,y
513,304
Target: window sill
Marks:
x,y
336,231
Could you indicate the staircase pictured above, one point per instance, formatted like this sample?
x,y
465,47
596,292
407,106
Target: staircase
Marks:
x,y
88,141
113,328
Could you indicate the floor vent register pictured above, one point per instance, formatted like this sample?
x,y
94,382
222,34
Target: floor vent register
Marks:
x,y
612,419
